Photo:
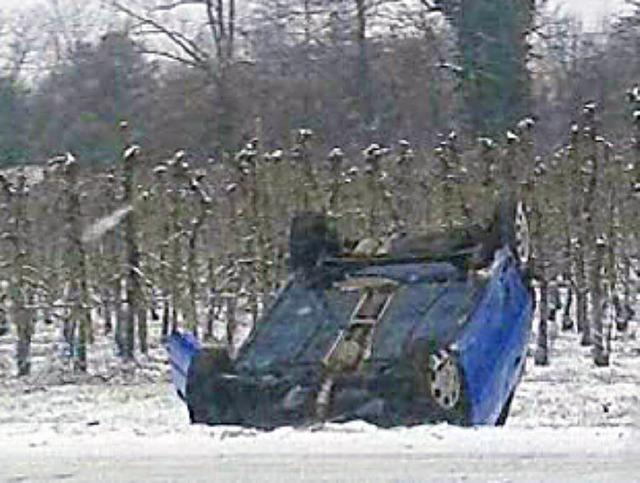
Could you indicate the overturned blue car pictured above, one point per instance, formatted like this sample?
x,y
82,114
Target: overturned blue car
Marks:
x,y
433,329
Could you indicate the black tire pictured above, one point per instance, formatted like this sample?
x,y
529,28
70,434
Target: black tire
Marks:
x,y
504,412
310,239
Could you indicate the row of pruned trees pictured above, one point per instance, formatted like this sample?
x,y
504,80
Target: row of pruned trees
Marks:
x,y
170,243
586,219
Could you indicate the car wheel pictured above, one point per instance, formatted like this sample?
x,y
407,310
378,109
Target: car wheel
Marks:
x,y
514,230
504,412
310,238
446,386
439,380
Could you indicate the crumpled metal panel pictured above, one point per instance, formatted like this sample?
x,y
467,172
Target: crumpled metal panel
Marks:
x,y
286,374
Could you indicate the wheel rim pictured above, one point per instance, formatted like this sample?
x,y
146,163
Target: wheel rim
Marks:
x,y
445,381
522,240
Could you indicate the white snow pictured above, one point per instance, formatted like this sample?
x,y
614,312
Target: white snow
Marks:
x,y
570,421
131,151
100,227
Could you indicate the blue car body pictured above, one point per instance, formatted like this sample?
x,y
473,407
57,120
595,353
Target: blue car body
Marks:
x,y
182,348
360,341
492,351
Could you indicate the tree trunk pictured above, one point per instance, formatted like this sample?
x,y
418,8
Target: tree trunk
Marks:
x,y
623,305
132,272
83,315
4,321
24,329
364,84
176,233
231,321
567,321
582,290
590,168
192,282
600,356
107,308
20,288
335,173
166,317
143,330
120,315
80,313
541,357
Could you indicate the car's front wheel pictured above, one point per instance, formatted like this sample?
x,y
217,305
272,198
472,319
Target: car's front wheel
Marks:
x,y
447,388
446,383
440,377
514,229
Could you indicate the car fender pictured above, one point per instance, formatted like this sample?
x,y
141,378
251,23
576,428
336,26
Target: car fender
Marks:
x,y
491,350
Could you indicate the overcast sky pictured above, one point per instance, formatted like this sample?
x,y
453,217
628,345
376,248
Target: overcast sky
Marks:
x,y
590,11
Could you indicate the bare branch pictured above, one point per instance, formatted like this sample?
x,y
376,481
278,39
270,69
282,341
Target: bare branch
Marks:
x,y
167,7
199,57
215,33
221,28
168,55
430,6
232,28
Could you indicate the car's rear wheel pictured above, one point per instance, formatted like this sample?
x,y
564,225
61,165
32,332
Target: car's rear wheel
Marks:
x,y
514,229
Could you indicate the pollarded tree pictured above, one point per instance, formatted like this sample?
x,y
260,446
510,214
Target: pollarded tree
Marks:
x,y
80,312
21,271
132,273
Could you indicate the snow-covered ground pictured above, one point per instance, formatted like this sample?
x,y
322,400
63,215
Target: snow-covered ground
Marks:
x,y
353,452
569,422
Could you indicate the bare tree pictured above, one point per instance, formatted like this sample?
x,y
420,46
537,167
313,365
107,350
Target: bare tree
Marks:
x,y
80,312
600,355
208,44
132,267
20,286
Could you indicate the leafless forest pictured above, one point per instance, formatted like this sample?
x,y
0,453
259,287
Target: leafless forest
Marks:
x,y
155,152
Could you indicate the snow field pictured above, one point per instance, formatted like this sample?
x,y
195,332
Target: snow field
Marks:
x,y
570,421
